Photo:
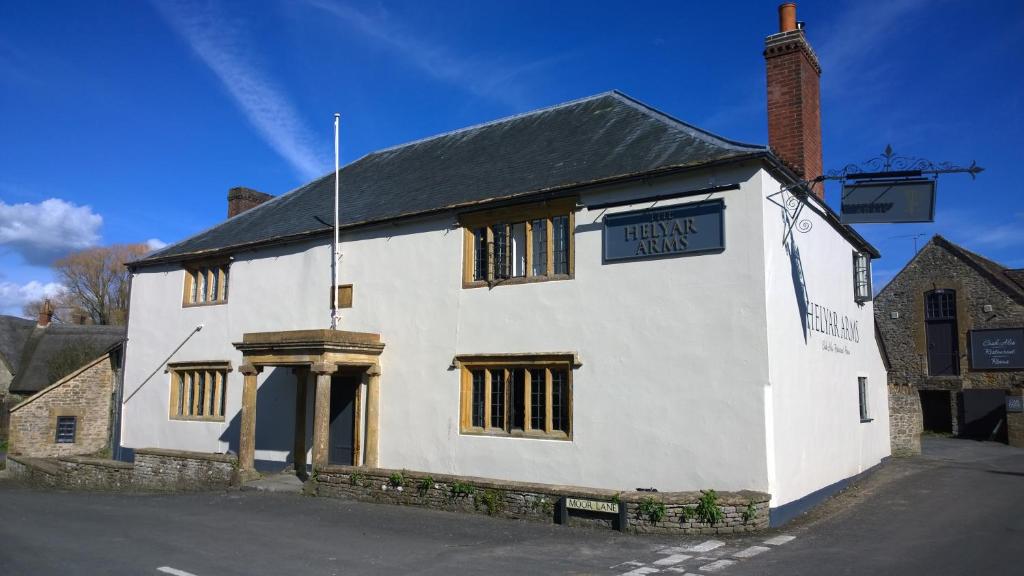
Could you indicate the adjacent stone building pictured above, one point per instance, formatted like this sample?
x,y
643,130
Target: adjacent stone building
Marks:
x,y
944,299
71,416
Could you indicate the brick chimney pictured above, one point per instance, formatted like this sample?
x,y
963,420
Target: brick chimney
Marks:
x,y
794,108
241,199
45,313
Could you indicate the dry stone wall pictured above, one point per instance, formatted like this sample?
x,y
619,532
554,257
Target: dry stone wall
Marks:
x,y
646,512
153,470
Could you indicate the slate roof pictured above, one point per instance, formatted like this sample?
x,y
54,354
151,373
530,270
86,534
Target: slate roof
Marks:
x,y
1006,279
14,332
595,139
44,345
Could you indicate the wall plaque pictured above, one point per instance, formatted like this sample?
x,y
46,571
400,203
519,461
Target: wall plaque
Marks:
x,y
664,232
1015,403
997,349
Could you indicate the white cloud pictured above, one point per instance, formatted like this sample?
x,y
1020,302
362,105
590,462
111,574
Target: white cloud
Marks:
x,y
481,76
43,232
220,44
155,244
14,296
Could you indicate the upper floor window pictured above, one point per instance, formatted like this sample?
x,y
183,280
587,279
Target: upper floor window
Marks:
x,y
522,395
206,284
519,244
941,333
861,276
862,394
198,391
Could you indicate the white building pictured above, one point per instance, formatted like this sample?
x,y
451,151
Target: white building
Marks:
x,y
593,294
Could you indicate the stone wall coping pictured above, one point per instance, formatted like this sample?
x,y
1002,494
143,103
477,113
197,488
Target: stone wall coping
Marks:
x,y
725,498
186,455
93,461
41,464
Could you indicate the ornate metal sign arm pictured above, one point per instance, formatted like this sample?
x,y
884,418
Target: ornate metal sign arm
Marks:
x,y
889,165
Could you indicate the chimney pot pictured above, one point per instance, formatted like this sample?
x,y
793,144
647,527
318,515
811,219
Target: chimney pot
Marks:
x,y
787,17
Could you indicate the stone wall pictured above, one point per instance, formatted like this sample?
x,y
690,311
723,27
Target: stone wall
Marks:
x,y
937,266
905,420
661,513
85,394
158,469
153,470
1015,427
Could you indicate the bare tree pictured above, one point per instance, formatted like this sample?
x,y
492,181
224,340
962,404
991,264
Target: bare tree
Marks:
x,y
96,280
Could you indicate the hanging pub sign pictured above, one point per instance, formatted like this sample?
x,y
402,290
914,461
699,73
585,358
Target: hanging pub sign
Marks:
x,y
997,349
664,232
888,201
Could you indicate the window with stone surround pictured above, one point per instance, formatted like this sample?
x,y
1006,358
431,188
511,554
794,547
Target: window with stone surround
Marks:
x,y
67,427
519,244
517,395
206,284
198,391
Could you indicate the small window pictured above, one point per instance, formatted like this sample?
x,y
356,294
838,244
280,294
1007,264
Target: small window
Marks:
x,y
198,392
517,399
519,244
861,277
862,389
66,428
206,284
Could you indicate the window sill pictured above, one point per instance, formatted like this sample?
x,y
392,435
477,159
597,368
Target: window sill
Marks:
x,y
201,304
516,280
197,418
526,434
866,420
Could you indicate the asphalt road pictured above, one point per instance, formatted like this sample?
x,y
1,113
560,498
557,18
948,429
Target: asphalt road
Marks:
x,y
960,510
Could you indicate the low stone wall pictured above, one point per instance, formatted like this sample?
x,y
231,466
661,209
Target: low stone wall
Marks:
x,y
153,470
158,469
646,512
905,420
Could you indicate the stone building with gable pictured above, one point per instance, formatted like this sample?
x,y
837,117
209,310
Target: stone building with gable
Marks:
x,y
952,322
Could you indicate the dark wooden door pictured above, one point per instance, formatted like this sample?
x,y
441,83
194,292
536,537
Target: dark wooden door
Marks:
x,y
943,351
342,419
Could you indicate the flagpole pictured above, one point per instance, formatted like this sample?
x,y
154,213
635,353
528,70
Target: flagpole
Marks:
x,y
335,252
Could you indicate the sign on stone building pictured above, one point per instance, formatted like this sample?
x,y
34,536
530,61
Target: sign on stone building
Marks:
x,y
997,349
662,232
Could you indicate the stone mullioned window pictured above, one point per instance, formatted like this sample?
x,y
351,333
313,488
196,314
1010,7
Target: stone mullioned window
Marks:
x,y
198,391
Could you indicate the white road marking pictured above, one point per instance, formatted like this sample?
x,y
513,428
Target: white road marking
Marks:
x,y
641,571
779,540
626,563
672,560
682,571
717,565
673,550
706,546
174,571
751,552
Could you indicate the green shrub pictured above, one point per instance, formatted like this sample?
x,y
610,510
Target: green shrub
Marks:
x,y
396,479
493,501
708,510
425,485
652,509
749,513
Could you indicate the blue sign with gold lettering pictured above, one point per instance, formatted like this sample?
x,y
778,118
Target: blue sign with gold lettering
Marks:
x,y
663,232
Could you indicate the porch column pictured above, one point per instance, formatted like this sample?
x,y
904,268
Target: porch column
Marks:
x,y
299,447
322,413
372,379
247,430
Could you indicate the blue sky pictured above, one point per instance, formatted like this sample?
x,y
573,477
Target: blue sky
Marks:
x,y
128,121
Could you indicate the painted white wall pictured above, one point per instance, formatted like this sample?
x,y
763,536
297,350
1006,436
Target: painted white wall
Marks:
x,y
673,350
815,434
676,390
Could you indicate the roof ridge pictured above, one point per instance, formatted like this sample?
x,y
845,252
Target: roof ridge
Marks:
x,y
485,124
694,130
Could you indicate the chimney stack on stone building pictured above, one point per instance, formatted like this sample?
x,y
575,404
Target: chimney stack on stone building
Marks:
x,y
241,199
45,313
794,108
